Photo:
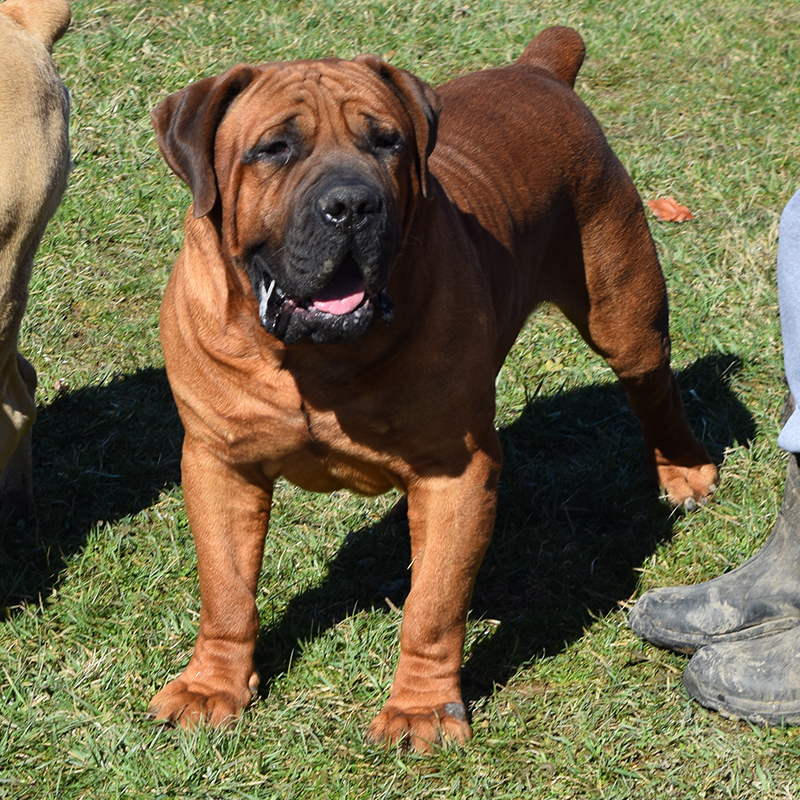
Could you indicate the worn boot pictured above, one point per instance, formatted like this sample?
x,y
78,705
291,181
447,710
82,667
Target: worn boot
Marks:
x,y
759,598
757,680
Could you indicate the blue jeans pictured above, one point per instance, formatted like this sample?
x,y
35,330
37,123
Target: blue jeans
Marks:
x,y
789,302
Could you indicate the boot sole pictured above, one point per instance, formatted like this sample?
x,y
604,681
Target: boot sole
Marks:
x,y
760,713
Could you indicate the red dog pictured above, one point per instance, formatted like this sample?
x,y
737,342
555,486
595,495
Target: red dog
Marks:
x,y
321,213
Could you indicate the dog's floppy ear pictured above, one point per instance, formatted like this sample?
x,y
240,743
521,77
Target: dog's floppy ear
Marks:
x,y
422,104
186,125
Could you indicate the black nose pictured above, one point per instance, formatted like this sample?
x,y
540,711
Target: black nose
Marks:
x,y
349,205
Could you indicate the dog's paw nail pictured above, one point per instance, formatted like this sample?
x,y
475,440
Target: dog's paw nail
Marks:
x,y
690,504
712,489
456,710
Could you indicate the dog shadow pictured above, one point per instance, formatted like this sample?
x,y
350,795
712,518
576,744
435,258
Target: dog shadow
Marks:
x,y
577,514
99,454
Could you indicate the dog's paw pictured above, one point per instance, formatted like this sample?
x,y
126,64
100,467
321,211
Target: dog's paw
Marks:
x,y
688,482
690,488
420,730
190,703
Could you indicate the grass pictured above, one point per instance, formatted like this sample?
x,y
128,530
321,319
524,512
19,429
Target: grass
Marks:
x,y
700,101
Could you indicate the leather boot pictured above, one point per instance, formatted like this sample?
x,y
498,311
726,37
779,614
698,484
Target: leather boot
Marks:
x,y
757,680
759,598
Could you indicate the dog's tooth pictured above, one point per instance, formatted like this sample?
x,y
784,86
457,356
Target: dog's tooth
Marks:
x,y
265,295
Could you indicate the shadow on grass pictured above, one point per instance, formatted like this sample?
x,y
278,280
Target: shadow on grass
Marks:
x,y
99,453
577,515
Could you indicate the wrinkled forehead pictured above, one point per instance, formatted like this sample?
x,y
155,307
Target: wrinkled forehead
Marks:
x,y
313,95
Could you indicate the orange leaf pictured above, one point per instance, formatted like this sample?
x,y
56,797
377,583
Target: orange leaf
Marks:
x,y
669,210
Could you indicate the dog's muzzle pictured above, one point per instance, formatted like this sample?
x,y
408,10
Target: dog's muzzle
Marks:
x,y
328,281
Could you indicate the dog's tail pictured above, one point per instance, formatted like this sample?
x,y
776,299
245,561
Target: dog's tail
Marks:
x,y
559,50
45,20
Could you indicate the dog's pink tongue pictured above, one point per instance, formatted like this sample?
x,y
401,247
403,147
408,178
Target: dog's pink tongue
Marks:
x,y
340,297
340,305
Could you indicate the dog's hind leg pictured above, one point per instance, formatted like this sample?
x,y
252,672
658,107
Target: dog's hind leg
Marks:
x,y
16,417
621,311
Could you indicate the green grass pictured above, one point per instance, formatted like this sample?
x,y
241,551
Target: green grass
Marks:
x,y
700,101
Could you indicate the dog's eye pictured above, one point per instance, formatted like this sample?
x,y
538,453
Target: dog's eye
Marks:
x,y
386,142
278,151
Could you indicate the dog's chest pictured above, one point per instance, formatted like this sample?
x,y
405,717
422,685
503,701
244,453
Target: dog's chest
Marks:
x,y
329,457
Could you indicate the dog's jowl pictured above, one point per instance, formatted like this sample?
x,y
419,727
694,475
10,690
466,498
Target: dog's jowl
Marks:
x,y
359,257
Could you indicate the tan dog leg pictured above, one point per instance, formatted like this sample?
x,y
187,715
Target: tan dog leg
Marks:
x,y
451,521
228,511
16,418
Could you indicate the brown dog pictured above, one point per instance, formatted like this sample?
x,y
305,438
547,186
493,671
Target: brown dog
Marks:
x,y
319,206
34,163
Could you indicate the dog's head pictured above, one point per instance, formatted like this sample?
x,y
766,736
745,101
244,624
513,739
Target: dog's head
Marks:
x,y
312,171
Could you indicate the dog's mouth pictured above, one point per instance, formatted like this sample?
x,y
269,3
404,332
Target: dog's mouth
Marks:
x,y
344,308
344,293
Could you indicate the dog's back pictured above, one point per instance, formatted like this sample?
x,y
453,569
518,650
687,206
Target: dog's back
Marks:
x,y
524,119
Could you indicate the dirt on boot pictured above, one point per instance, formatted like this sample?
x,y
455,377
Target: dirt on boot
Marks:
x,y
756,680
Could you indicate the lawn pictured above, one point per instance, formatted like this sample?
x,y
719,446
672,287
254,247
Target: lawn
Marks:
x,y
100,603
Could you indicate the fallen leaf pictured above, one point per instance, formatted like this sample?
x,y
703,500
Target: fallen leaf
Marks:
x,y
668,209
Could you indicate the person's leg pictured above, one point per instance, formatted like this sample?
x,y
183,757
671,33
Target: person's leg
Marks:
x,y
748,675
762,596
789,302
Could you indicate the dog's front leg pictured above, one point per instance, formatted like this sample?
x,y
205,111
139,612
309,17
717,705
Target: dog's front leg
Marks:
x,y
228,510
451,521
